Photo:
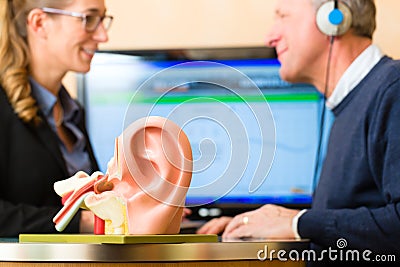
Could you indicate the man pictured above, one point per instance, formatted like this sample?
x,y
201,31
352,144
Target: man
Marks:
x,y
357,198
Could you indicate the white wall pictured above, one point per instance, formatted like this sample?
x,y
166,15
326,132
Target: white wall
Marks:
x,y
146,24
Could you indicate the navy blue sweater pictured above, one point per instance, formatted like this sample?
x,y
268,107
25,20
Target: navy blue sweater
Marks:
x,y
358,194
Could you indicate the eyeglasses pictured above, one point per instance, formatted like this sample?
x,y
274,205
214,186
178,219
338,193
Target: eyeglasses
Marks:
x,y
89,22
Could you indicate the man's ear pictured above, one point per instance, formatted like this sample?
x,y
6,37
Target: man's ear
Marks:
x,y
36,22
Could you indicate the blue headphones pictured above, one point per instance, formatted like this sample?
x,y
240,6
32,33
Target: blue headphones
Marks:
x,y
334,18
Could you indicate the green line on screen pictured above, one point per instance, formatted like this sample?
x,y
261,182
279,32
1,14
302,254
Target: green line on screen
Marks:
x,y
125,98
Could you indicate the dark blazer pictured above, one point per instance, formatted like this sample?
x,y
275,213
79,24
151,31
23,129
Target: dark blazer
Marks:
x,y
30,163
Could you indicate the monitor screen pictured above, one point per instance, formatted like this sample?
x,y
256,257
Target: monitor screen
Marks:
x,y
254,137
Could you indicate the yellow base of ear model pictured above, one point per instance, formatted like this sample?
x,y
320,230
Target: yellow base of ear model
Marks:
x,y
117,239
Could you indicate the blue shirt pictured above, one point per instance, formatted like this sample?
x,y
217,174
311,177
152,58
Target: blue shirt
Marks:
x,y
77,159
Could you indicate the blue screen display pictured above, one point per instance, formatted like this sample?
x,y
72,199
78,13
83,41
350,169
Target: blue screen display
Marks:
x,y
254,137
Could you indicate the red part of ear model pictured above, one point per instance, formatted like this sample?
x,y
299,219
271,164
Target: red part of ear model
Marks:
x,y
65,197
65,213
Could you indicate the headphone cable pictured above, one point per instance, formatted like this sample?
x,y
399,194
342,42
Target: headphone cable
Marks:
x,y
322,117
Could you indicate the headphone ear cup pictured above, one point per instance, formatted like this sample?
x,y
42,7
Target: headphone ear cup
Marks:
x,y
327,24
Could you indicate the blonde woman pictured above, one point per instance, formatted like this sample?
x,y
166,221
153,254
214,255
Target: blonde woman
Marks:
x,y
42,134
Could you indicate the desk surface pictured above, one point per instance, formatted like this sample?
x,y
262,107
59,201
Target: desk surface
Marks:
x,y
220,251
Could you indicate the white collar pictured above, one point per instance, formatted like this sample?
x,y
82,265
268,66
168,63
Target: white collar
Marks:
x,y
354,74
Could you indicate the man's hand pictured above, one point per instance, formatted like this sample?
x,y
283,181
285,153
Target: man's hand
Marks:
x,y
215,226
269,221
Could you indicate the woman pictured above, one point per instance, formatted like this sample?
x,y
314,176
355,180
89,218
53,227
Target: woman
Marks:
x,y
42,134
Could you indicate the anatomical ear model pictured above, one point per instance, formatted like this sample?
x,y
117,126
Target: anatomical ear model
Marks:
x,y
144,188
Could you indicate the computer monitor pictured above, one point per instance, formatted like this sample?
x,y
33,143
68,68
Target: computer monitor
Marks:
x,y
254,137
